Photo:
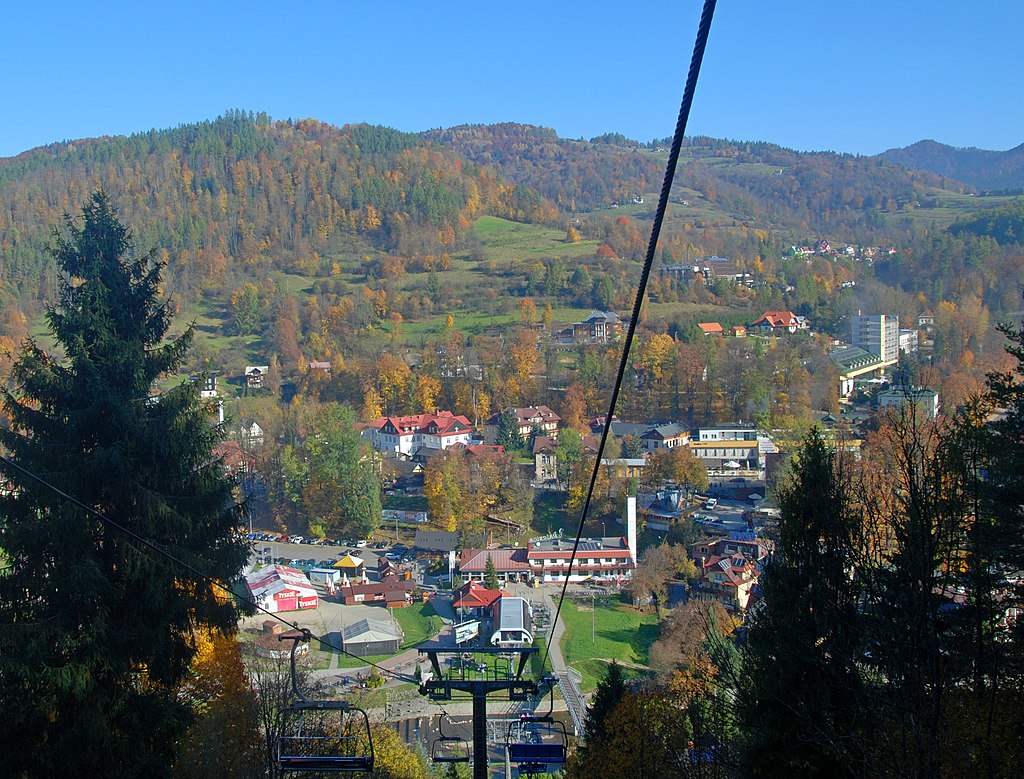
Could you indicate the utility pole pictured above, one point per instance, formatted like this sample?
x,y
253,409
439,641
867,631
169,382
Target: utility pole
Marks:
x,y
593,618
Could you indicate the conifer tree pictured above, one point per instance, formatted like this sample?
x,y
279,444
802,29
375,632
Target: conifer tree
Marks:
x,y
491,574
609,694
801,687
96,629
508,431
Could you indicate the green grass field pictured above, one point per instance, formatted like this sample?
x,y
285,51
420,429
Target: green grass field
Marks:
x,y
620,632
506,241
417,621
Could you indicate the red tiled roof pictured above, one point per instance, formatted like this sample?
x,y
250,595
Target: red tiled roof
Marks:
x,y
474,595
441,423
475,560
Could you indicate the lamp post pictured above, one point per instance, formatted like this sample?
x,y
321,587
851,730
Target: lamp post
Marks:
x,y
593,618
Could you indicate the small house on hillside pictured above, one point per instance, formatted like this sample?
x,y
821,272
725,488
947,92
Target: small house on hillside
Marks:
x,y
255,376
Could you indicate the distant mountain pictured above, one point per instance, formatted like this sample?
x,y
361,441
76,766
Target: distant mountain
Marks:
x,y
986,170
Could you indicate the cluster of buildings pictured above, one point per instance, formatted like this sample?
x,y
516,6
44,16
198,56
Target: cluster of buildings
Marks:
x,y
547,559
823,248
769,323
876,343
709,269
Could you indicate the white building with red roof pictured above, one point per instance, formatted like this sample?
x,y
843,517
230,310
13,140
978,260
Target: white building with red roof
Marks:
x,y
410,435
279,588
779,322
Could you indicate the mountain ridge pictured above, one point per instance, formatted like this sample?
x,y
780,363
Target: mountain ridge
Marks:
x,y
981,168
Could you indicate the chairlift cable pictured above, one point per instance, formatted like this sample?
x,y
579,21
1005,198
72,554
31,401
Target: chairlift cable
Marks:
x,y
197,574
703,29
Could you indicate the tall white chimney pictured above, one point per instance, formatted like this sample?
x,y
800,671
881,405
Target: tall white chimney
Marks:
x,y
631,527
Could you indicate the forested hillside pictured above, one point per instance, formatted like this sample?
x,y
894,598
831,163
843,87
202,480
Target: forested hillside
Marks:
x,y
396,256
760,182
241,195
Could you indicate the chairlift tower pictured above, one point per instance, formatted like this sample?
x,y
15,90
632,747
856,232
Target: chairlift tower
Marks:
x,y
501,675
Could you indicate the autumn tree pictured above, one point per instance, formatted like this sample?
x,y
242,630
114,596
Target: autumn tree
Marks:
x,y
223,739
574,407
444,487
678,465
100,628
333,476
660,565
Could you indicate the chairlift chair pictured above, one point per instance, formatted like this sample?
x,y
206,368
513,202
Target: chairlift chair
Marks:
x,y
347,748
448,749
542,740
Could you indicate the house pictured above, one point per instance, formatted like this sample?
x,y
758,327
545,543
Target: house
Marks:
x,y
779,322
417,435
255,375
320,366
909,340
600,327
235,461
278,588
729,569
712,268
269,645
667,436
435,543
390,592
925,400
207,384
739,331
596,558
716,446
662,509
624,467
250,434
711,328
528,419
545,463
473,597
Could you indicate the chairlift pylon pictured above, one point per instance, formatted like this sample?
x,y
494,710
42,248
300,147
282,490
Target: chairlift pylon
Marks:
x,y
347,748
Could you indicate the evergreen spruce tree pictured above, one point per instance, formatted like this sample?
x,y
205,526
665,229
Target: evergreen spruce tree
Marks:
x,y
491,575
609,694
801,689
508,431
96,629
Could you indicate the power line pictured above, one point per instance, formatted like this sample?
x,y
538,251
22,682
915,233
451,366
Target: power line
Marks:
x,y
703,28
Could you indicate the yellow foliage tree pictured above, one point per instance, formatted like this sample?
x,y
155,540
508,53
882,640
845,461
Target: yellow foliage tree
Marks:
x,y
427,389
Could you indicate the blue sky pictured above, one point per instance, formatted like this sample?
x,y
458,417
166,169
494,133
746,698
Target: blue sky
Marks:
x,y
857,77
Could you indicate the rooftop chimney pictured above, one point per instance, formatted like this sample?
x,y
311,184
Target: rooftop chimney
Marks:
x,y
631,527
